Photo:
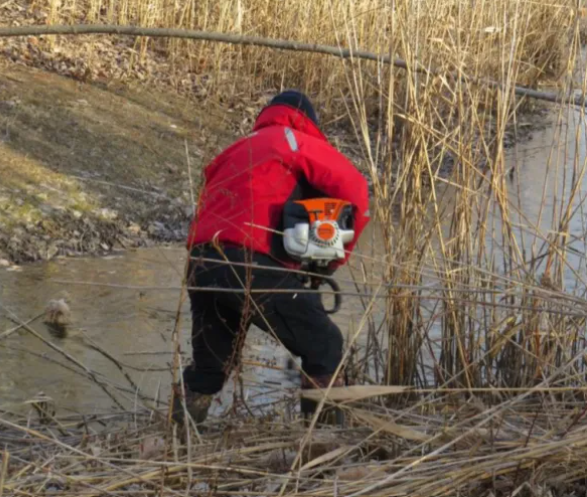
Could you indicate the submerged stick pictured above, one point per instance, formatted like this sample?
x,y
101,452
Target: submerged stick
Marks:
x,y
20,326
292,45
112,359
72,359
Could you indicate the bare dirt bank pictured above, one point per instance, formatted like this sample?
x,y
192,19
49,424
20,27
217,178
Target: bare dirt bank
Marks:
x,y
88,169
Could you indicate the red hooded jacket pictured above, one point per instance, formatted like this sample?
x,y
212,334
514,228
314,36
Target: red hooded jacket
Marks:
x,y
285,158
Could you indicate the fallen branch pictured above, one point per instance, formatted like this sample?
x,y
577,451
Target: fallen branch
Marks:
x,y
296,46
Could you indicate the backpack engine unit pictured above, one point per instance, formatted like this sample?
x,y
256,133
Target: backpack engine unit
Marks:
x,y
315,234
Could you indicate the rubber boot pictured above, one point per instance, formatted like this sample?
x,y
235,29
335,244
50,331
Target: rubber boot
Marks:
x,y
197,406
330,415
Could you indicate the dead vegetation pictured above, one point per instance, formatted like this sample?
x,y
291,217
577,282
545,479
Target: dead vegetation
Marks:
x,y
529,445
469,38
85,145
472,304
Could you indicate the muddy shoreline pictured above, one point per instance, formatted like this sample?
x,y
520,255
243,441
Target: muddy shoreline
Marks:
x,y
153,220
88,170
65,234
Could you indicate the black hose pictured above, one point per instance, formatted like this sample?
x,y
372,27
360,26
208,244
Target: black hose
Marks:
x,y
337,295
335,288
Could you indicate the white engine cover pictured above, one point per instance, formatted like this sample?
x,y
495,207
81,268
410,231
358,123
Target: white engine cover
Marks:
x,y
303,243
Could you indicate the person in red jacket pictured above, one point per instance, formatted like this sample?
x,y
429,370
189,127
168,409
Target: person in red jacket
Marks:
x,y
237,252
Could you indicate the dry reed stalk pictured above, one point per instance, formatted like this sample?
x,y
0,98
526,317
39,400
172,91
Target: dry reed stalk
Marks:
x,y
248,462
4,470
462,308
7,333
375,27
453,230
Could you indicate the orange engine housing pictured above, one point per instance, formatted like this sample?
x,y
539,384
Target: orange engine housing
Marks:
x,y
318,229
325,209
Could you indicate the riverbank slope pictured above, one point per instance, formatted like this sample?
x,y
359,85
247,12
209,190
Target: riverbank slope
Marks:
x,y
87,169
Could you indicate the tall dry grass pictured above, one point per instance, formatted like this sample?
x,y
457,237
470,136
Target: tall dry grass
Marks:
x,y
501,314
479,38
466,291
432,140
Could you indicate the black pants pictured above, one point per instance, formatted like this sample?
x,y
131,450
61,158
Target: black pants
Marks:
x,y
221,318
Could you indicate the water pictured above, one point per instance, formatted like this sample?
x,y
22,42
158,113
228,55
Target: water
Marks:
x,y
126,304
548,170
121,321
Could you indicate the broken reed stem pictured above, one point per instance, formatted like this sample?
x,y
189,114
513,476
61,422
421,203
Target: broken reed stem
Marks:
x,y
296,46
4,470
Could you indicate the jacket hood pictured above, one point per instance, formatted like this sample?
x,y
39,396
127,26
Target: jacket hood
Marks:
x,y
284,115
